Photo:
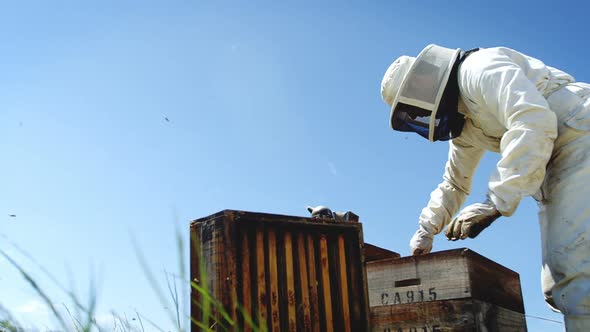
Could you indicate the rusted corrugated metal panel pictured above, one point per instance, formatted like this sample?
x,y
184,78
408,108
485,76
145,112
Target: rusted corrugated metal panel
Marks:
x,y
287,273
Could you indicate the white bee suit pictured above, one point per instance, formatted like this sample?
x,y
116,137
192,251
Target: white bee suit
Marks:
x,y
538,119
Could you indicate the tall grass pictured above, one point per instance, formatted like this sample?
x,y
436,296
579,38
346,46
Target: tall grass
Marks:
x,y
172,295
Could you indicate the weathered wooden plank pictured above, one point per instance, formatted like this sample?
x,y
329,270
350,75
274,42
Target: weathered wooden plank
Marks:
x,y
274,281
375,253
313,284
261,297
447,316
326,294
230,267
414,280
195,270
504,282
304,284
445,275
246,290
214,268
496,318
358,289
363,297
291,297
343,284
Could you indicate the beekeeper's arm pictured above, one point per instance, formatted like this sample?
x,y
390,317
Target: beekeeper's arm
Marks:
x,y
499,86
449,196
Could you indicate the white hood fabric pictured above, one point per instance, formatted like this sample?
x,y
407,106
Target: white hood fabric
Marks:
x,y
538,119
394,76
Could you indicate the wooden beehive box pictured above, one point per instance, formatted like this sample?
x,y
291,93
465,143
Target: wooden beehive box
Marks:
x,y
464,315
375,253
286,273
453,290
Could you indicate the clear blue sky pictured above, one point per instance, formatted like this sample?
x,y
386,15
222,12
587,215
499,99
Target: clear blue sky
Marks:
x,y
272,106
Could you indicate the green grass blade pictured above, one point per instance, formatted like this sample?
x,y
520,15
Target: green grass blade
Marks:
x,y
181,250
217,305
140,322
151,278
75,321
91,305
201,325
205,299
152,323
37,289
212,319
174,295
249,321
69,293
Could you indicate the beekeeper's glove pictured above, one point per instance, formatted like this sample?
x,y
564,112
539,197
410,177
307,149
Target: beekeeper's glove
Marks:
x,y
472,220
421,242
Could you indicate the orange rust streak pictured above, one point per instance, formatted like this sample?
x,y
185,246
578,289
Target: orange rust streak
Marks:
x,y
262,298
291,297
246,292
326,283
313,285
304,284
344,284
274,280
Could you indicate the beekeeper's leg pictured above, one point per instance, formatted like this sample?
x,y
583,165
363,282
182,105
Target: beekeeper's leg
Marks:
x,y
565,232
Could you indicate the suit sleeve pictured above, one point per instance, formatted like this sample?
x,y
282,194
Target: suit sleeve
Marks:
x,y
501,87
450,194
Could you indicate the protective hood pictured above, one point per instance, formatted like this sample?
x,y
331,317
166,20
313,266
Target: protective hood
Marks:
x,y
394,76
426,99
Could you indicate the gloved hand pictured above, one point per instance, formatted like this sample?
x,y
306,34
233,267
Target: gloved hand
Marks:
x,y
421,242
472,220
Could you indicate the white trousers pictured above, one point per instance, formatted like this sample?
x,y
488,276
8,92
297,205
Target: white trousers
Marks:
x,y
564,218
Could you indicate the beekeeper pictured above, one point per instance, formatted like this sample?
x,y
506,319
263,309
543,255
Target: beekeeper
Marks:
x,y
538,119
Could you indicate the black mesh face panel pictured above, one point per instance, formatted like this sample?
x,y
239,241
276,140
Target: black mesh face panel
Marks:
x,y
450,100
